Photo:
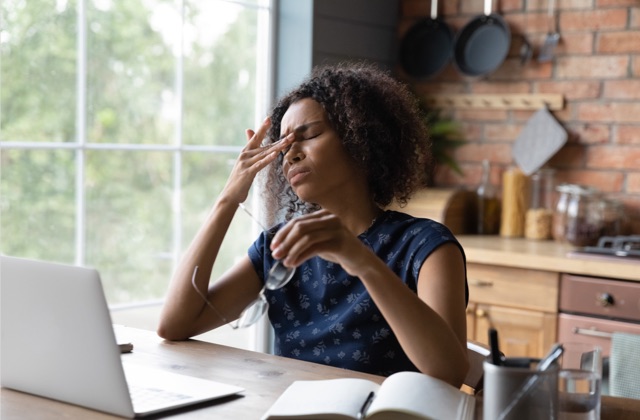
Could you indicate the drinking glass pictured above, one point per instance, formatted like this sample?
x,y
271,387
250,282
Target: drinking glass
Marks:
x,y
279,275
579,382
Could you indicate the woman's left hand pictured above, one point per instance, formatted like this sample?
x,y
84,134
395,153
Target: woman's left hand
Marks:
x,y
322,234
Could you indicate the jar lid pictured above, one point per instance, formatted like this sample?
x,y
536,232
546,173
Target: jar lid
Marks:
x,y
577,189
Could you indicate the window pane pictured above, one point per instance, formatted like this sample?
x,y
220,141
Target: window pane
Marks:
x,y
129,221
37,203
220,72
131,68
38,67
261,3
204,176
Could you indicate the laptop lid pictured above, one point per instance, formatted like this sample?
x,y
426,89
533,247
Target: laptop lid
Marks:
x,y
57,339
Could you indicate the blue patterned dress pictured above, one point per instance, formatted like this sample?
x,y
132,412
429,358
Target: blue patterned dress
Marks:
x,y
323,315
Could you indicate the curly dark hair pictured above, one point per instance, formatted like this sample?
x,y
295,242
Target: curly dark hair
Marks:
x,y
380,124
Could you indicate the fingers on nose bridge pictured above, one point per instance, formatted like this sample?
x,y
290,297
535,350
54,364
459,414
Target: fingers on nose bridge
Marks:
x,y
294,153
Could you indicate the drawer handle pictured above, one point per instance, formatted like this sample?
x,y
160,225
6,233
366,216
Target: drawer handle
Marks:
x,y
482,283
605,300
592,332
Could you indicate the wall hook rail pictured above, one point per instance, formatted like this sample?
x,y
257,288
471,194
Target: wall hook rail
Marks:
x,y
552,102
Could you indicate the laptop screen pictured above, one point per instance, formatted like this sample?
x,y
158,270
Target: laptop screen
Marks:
x,y
57,339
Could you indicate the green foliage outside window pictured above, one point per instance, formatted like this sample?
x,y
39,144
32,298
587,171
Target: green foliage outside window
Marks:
x,y
147,64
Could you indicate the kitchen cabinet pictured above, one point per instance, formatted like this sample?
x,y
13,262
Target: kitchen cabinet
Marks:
x,y
515,283
521,304
522,332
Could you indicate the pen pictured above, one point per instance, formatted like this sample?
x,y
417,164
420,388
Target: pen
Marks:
x,y
496,356
365,406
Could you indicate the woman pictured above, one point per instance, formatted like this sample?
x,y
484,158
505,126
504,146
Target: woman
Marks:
x,y
375,291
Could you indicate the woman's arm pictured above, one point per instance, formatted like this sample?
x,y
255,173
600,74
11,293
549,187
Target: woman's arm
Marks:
x,y
184,313
430,326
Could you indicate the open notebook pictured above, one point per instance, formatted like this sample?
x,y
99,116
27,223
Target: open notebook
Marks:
x,y
57,341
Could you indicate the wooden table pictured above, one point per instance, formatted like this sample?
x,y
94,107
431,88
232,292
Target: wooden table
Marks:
x,y
263,376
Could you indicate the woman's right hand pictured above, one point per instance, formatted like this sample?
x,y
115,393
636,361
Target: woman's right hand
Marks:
x,y
252,159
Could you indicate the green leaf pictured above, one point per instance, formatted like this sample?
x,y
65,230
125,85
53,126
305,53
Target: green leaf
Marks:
x,y
445,137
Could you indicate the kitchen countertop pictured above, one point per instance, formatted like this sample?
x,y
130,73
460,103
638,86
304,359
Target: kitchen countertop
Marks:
x,y
547,256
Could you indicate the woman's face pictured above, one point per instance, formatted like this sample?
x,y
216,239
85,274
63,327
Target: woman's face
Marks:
x,y
316,165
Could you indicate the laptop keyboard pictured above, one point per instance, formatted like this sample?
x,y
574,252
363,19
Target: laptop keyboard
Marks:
x,y
153,390
150,397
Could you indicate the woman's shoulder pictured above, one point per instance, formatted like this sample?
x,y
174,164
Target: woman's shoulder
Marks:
x,y
393,218
398,224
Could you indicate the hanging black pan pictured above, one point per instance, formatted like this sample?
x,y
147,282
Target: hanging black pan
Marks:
x,y
482,44
427,46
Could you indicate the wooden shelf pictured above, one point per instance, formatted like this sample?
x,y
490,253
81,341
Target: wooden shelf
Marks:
x,y
553,102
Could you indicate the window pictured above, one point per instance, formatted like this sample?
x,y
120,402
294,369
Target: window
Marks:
x,y
120,122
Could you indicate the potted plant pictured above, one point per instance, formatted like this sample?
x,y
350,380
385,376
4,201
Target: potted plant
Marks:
x,y
446,136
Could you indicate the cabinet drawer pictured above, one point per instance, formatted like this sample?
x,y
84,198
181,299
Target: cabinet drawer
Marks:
x,y
515,287
601,297
585,329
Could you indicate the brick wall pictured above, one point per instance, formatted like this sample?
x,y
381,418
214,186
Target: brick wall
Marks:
x,y
596,69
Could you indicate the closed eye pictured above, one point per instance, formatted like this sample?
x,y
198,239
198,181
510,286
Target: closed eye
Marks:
x,y
308,137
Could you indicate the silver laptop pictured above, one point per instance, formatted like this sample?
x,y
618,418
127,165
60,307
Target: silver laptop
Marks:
x,y
57,341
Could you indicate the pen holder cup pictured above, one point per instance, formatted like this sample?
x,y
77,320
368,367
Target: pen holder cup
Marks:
x,y
516,390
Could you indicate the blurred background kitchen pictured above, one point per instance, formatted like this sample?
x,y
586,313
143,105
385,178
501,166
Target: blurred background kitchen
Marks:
x,y
595,69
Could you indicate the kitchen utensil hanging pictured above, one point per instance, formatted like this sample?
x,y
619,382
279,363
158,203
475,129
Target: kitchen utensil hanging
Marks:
x,y
547,51
426,48
541,137
482,44
526,50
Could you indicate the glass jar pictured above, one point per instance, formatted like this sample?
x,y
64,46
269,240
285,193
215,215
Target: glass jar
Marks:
x,y
583,217
613,217
539,216
560,213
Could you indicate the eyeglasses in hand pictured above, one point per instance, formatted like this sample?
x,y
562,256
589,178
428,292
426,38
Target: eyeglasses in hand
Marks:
x,y
278,277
